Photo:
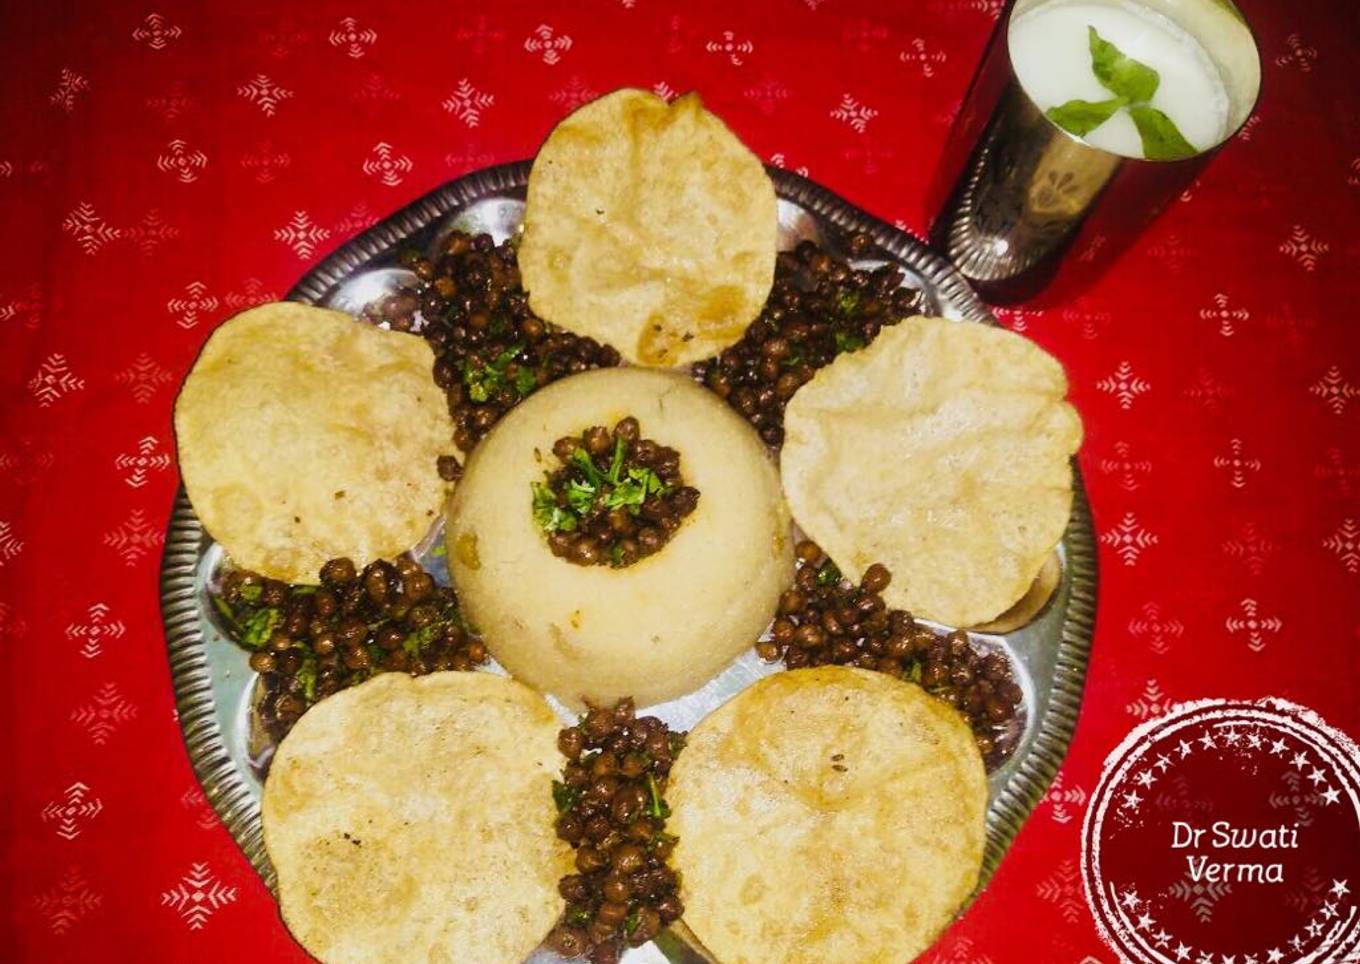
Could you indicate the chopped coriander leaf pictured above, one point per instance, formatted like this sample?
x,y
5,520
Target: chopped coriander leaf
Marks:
x,y
582,460
550,516
251,592
259,626
847,302
306,675
658,807
581,496
441,550
227,614
578,916
616,460
846,341
564,796
616,555
630,923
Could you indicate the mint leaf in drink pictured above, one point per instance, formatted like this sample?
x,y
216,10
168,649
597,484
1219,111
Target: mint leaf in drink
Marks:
x,y
1162,141
1121,75
1080,117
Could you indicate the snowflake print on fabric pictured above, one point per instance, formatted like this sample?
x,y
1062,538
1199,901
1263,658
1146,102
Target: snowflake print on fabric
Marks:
x,y
197,896
1297,54
90,230
174,103
1223,315
23,460
144,377
151,232
730,47
1251,548
778,160
481,34
253,292
97,628
10,544
1304,248
264,94
1335,390
767,95
547,44
1124,385
1126,470
156,32
28,307
1345,543
265,162
386,165
1155,629
920,55
467,103
850,111
353,39
1253,625
1062,888
574,94
1129,539
1065,803
69,87
135,538
69,813
301,234
1337,469
182,161
102,715
1151,702
1235,463
1208,390
147,457
189,309
67,902
54,380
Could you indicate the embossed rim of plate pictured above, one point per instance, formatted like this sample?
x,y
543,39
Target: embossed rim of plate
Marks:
x,y
190,671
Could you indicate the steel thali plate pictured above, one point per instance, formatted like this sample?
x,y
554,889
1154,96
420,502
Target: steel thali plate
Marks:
x,y
215,689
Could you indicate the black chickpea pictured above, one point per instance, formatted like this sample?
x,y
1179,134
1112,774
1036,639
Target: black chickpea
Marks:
x,y
612,809
308,642
824,619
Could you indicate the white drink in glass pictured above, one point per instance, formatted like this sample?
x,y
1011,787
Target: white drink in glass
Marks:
x,y
1050,53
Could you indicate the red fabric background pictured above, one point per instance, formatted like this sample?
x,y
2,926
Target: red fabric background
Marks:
x,y
148,192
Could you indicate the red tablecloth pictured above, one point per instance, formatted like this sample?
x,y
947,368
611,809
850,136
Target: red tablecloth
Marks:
x,y
162,167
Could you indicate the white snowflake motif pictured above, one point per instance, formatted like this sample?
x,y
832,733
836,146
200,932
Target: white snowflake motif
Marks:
x,y
1345,474
468,159
1064,801
264,162
97,629
134,538
731,48
767,95
664,90
1294,327
862,34
67,901
1251,548
852,112
955,950
1253,624
1127,470
1063,888
1345,542
145,459
1303,247
548,44
1155,629
1224,315
1129,539
1091,321
1334,390
374,92
1208,390
922,56
26,462
264,93
779,160
387,166
253,292
196,302
1124,385
301,234
1248,130
152,231
1298,55
173,102
1237,464
105,712
1172,252
1200,895
90,231
144,377
72,810
573,95
69,84
182,161
156,32
352,38
467,103
1151,702
197,896
11,626
53,380
10,545
28,306
1018,319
